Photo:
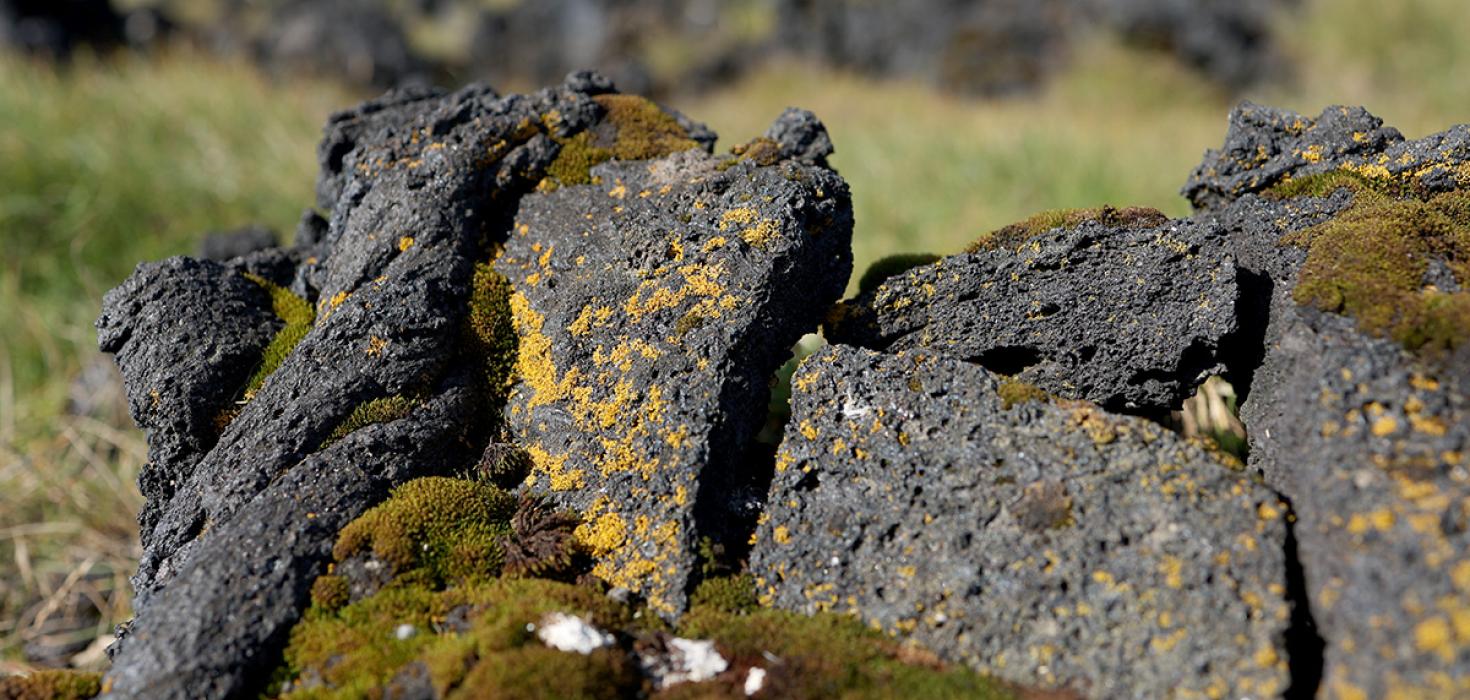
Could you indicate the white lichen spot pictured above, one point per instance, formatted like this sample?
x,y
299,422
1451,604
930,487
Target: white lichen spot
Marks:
x,y
571,633
684,661
404,631
754,681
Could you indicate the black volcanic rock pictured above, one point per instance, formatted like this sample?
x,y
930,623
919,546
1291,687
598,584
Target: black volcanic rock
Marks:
x,y
1049,544
1130,318
653,306
1266,147
1366,435
187,334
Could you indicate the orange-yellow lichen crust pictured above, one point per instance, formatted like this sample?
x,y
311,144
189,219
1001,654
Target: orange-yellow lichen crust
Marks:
x,y
1369,261
447,528
630,444
51,685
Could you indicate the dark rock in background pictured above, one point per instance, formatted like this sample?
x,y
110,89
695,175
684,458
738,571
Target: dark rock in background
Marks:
x,y
357,42
1130,318
653,306
1002,46
222,246
663,46
1048,544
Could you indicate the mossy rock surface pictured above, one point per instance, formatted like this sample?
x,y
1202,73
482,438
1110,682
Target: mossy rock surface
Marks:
x,y
479,640
51,685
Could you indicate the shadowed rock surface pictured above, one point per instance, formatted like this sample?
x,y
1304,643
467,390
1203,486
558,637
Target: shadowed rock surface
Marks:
x,y
1130,318
1049,544
653,306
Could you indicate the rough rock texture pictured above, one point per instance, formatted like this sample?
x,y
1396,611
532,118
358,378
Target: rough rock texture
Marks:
x,y
389,278
1366,438
1266,146
181,375
1371,446
256,466
1132,319
1049,544
653,306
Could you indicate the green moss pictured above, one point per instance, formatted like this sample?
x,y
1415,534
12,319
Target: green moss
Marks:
x,y
383,410
330,592
490,645
761,151
885,268
536,671
573,165
1027,229
1014,391
727,594
826,655
51,685
446,529
489,331
298,315
1324,184
1370,261
639,128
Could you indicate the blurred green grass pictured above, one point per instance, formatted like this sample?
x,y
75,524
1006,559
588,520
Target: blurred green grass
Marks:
x,y
109,163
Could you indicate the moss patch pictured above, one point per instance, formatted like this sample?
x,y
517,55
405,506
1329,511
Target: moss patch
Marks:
x,y
51,685
298,315
489,332
383,410
1370,262
824,655
1027,229
444,530
448,619
470,638
1014,392
885,268
633,128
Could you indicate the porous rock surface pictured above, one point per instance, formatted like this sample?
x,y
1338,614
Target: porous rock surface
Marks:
x,y
1366,438
248,487
648,290
652,309
1130,318
1266,146
1049,544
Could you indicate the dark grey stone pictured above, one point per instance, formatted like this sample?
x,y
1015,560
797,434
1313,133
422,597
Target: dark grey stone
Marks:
x,y
186,335
1132,319
653,308
1050,544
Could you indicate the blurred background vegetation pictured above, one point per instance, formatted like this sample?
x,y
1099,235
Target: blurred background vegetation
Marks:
x,y
110,159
